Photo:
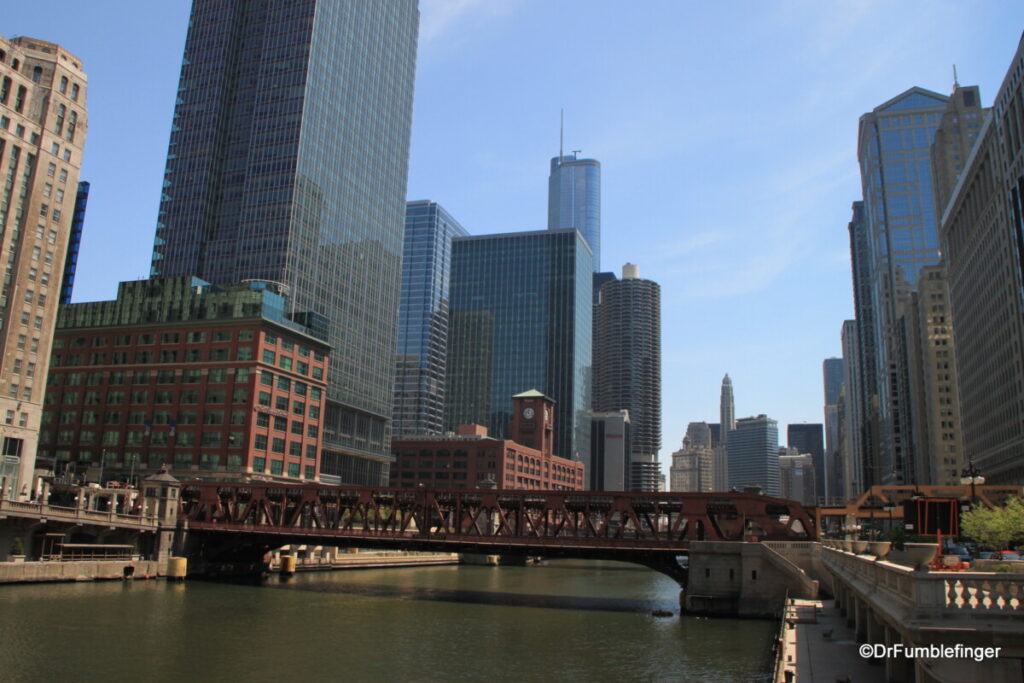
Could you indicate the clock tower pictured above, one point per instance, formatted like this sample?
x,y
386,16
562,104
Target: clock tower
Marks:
x,y
533,421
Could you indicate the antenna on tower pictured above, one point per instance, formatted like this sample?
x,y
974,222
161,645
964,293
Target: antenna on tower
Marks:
x,y
561,133
956,81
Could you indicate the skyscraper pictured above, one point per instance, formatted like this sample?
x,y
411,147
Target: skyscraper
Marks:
x,y
983,244
810,439
899,211
754,455
832,376
287,162
420,373
726,411
627,357
574,199
862,381
521,309
44,121
854,428
609,451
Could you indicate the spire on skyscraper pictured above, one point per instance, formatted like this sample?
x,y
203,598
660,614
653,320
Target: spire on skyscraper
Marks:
x,y
726,411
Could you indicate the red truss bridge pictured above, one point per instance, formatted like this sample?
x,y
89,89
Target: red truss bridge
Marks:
x,y
230,526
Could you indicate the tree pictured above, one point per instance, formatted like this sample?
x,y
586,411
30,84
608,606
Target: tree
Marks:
x,y
996,527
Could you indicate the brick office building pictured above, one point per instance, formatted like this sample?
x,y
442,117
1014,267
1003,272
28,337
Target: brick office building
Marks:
x,y
211,382
470,457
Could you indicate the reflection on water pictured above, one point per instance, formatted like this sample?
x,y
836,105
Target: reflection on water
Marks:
x,y
582,621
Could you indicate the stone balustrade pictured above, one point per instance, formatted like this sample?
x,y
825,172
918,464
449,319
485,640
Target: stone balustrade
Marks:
x,y
60,513
932,594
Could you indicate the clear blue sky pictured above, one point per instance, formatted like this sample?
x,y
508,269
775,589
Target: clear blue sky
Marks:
x,y
726,133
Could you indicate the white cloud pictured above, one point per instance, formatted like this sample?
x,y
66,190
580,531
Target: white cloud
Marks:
x,y
438,17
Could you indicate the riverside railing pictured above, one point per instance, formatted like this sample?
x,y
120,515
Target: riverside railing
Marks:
x,y
931,594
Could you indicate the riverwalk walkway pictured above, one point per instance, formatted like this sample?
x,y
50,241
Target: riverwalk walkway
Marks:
x,y
821,647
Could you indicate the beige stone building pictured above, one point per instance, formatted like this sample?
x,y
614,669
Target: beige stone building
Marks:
x,y
43,122
983,246
692,467
938,441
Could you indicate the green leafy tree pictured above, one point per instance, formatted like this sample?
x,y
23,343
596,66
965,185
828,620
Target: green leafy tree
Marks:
x,y
997,527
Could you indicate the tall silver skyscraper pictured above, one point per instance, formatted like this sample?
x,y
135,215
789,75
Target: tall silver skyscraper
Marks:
x,y
287,162
420,367
726,411
574,199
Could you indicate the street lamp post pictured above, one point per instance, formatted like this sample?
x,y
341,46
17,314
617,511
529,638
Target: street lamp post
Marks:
x,y
972,475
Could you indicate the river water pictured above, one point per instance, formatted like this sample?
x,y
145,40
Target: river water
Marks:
x,y
565,621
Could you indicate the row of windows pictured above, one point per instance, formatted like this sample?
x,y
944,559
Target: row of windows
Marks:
x,y
118,377
207,461
140,417
242,353
188,397
277,468
281,403
148,339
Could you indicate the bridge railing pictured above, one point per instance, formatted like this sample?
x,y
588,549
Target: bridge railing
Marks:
x,y
932,594
62,513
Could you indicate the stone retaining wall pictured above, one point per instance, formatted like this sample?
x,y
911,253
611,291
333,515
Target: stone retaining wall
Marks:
x,y
35,572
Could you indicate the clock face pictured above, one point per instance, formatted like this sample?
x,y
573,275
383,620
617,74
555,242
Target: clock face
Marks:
x,y
528,413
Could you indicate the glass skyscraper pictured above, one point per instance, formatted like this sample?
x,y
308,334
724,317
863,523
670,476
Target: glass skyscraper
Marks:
x,y
901,236
521,317
574,199
420,370
754,455
287,162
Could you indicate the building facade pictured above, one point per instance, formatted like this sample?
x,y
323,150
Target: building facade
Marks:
x,y
472,459
609,451
205,381
521,307
797,476
627,357
67,285
832,376
43,123
422,356
692,466
983,245
287,162
754,455
809,438
853,425
574,200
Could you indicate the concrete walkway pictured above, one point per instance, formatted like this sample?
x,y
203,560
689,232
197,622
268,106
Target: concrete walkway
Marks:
x,y
815,658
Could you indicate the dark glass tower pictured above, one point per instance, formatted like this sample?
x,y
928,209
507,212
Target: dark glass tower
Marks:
x,y
810,438
574,199
521,319
900,236
67,284
287,162
627,357
423,319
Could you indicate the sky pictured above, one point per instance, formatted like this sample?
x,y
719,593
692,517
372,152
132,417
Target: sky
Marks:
x,y
726,132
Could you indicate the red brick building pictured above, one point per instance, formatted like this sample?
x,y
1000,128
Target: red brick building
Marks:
x,y
209,382
470,457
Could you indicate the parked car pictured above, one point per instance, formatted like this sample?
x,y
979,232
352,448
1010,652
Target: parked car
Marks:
x,y
961,551
1007,555
986,555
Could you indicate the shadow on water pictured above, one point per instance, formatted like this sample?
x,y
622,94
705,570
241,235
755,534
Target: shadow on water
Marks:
x,y
478,597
